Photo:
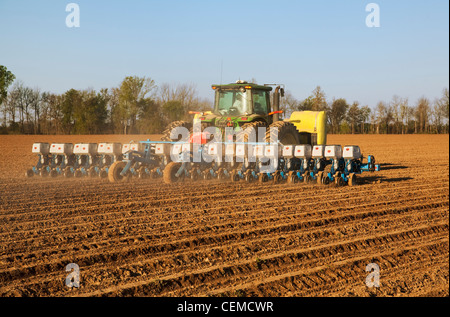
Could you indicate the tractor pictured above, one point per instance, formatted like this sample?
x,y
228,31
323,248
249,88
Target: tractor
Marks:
x,y
247,107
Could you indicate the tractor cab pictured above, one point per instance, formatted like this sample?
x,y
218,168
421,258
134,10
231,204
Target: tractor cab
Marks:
x,y
242,102
241,99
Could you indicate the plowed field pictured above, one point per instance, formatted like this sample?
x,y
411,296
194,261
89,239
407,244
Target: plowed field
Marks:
x,y
146,238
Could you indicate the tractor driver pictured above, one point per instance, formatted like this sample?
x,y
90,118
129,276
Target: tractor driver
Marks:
x,y
238,104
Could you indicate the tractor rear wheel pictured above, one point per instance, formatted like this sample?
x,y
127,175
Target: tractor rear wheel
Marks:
x,y
173,125
170,171
287,133
249,132
114,172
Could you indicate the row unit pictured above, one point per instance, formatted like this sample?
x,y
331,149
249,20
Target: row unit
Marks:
x,y
214,149
263,150
85,148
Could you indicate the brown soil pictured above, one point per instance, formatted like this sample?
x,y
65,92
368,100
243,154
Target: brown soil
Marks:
x,y
146,238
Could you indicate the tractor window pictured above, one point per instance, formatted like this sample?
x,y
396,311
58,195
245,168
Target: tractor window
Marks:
x,y
260,102
232,103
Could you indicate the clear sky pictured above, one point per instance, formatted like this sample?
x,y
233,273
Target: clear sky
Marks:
x,y
301,44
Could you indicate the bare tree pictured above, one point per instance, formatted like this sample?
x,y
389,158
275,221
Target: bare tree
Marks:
x,y
319,102
380,115
396,115
422,115
365,115
404,114
354,115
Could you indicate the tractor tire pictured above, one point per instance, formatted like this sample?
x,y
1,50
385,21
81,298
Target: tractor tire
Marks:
x,y
352,179
249,131
114,172
287,133
171,126
169,173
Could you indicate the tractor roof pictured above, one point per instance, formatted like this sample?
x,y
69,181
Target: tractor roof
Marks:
x,y
242,84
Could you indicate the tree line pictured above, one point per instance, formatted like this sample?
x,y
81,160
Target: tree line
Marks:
x,y
397,116
136,106
139,106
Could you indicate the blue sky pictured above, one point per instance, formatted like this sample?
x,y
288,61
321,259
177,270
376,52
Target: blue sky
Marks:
x,y
301,44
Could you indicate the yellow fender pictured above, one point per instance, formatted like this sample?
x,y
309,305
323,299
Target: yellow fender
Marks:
x,y
200,114
314,122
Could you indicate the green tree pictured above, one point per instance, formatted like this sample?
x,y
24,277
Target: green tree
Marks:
x,y
150,117
306,104
6,79
133,91
72,100
173,110
337,113
90,115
